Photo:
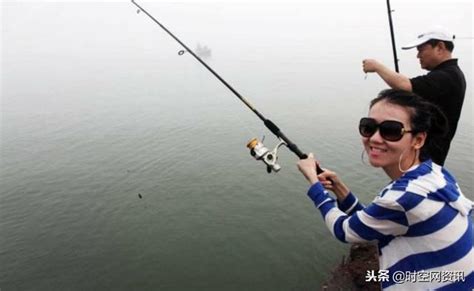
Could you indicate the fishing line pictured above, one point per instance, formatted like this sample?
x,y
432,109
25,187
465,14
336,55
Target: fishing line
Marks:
x,y
233,115
182,52
392,34
257,149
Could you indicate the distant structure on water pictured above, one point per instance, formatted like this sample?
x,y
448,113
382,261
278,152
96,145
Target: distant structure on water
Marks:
x,y
203,51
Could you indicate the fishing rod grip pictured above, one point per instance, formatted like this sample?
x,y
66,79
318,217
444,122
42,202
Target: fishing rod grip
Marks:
x,y
293,147
303,156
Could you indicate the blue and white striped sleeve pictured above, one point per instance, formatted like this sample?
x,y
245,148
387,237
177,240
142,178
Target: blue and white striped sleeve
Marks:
x,y
350,204
380,220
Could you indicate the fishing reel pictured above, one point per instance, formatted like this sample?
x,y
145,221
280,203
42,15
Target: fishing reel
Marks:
x,y
262,153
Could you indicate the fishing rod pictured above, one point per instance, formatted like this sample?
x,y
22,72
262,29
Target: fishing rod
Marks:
x,y
394,48
257,149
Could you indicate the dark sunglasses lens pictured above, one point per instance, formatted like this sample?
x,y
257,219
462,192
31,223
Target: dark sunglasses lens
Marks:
x,y
391,130
367,127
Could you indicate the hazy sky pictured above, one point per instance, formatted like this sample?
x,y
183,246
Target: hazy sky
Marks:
x,y
42,36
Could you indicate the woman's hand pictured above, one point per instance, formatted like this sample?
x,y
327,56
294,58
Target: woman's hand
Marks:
x,y
331,181
308,168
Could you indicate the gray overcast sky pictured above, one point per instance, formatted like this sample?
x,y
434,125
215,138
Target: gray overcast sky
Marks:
x,y
38,33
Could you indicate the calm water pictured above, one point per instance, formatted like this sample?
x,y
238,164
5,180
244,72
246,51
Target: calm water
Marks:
x,y
98,107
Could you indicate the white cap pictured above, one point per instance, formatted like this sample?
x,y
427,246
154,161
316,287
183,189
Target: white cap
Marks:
x,y
439,33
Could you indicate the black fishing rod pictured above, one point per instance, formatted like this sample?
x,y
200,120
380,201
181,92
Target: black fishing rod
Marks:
x,y
257,149
394,47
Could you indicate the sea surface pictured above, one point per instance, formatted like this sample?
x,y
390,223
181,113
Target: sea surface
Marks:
x,y
124,164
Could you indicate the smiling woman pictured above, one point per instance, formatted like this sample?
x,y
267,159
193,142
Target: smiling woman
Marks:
x,y
412,217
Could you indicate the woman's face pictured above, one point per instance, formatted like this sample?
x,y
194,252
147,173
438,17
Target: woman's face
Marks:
x,y
383,153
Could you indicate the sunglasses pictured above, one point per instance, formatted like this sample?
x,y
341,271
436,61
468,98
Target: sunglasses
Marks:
x,y
390,130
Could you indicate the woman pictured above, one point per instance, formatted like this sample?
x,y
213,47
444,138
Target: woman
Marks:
x,y
421,220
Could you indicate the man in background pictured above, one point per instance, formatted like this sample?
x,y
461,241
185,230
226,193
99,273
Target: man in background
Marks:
x,y
444,85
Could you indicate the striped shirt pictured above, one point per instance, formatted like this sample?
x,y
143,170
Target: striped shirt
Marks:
x,y
422,223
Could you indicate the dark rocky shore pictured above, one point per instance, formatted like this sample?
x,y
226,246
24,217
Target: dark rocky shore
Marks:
x,y
351,273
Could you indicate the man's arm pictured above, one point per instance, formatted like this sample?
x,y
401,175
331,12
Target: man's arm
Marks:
x,y
393,79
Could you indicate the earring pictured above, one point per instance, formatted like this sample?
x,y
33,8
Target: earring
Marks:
x,y
412,162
